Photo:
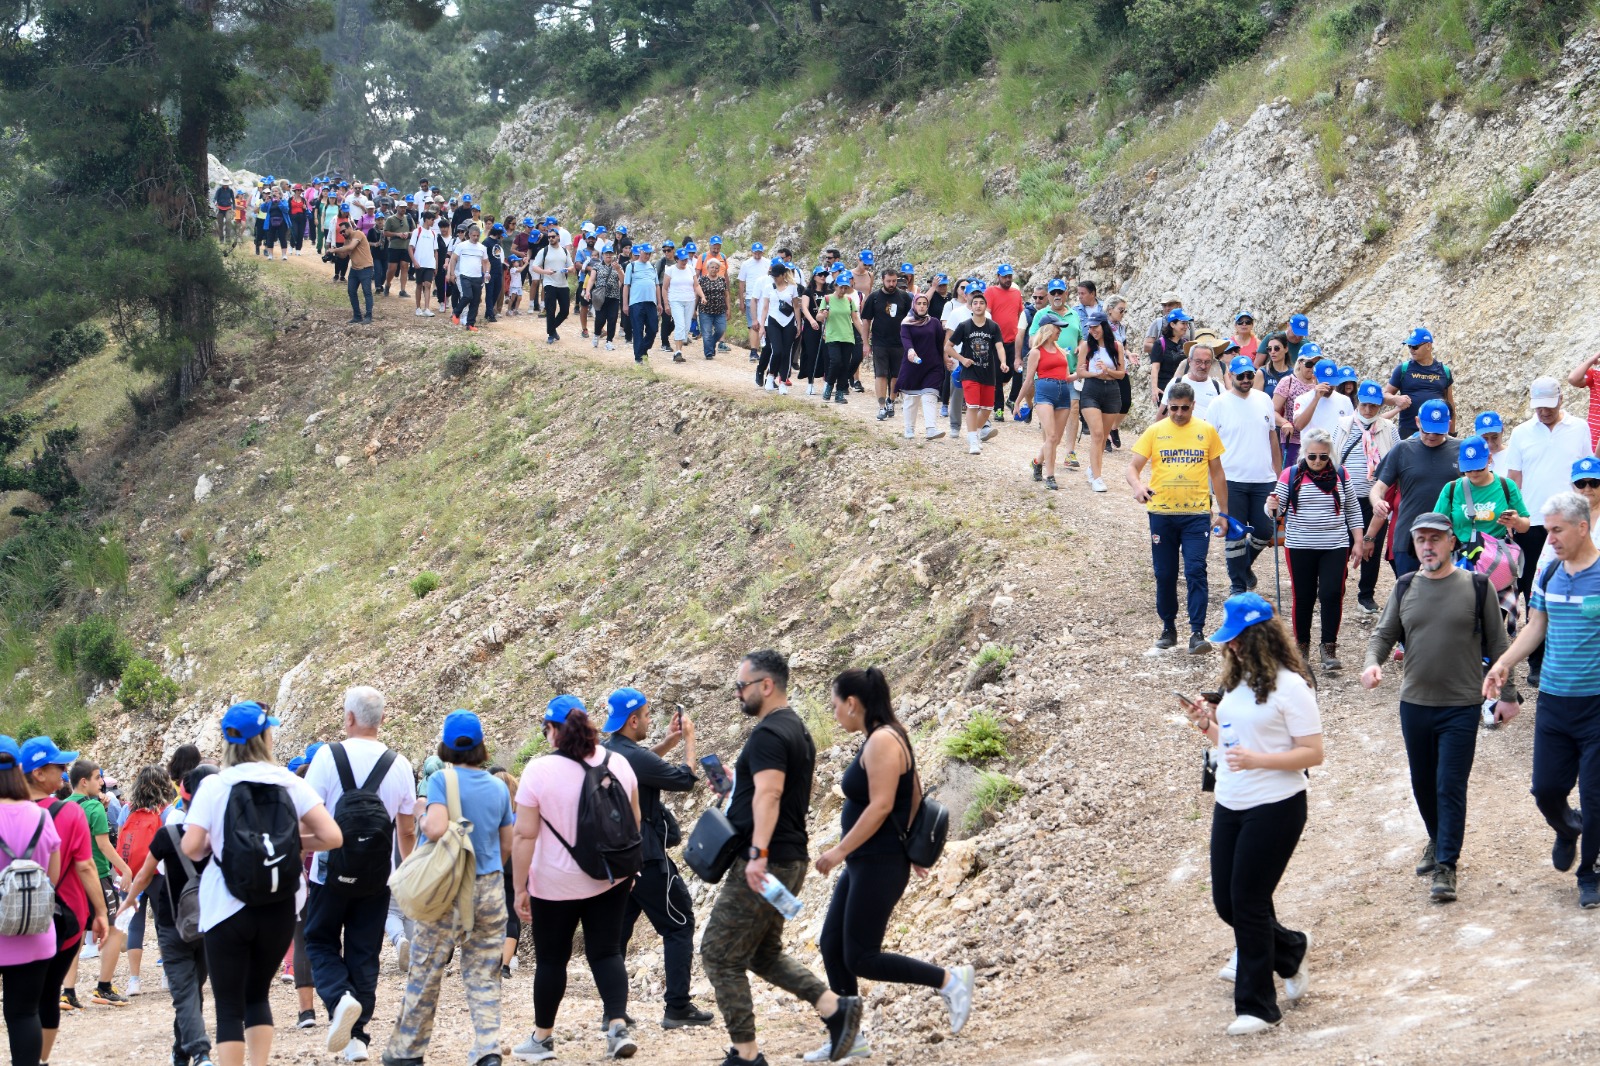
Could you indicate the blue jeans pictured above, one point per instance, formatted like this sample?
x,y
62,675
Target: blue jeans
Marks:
x,y
645,318
1566,751
1247,501
1403,562
344,937
359,280
712,327
1440,744
1170,535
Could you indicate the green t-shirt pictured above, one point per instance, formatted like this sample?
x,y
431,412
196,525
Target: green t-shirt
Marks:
x,y
1071,333
840,327
99,826
1490,501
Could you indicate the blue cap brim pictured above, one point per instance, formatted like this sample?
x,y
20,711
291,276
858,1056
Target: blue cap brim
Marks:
x,y
617,719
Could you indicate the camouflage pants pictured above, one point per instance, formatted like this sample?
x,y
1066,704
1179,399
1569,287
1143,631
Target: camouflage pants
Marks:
x,y
745,933
431,951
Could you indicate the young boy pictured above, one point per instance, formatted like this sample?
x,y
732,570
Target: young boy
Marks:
x,y
88,792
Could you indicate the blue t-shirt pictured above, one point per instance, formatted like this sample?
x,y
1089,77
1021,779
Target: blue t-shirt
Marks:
x,y
641,281
486,803
1572,637
1421,383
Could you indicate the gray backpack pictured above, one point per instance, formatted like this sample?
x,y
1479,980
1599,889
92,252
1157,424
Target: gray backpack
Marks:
x,y
186,906
27,899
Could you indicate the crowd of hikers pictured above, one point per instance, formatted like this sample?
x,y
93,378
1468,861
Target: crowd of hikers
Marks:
x,y
253,870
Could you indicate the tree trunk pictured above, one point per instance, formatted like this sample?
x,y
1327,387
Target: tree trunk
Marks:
x,y
192,222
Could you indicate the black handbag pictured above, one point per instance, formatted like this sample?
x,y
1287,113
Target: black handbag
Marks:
x,y
713,845
1208,772
924,838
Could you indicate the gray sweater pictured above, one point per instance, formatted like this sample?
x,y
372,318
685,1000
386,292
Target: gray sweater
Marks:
x,y
1444,658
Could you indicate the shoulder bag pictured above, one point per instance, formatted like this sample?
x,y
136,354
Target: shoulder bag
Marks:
x,y
713,845
929,826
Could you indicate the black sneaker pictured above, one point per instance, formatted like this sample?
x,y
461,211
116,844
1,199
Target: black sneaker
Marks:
x,y
1426,865
1116,439
390,1060
839,397
1368,604
1038,470
1198,644
677,357
1588,896
1107,447
1250,580
884,411
690,1015
1533,679
505,973
733,1059
844,1025
1235,590
855,386
487,1060
367,321
1050,483
1167,639
307,1020
999,414
355,320
1564,853
1444,885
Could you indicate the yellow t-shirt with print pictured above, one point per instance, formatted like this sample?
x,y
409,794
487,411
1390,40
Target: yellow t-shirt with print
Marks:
x,y
1180,465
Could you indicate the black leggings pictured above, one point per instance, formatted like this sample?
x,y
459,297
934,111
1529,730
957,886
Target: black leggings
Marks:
x,y
557,305
840,353
1316,575
778,349
513,923
50,994
19,988
555,921
1250,849
245,952
852,933
605,318
812,365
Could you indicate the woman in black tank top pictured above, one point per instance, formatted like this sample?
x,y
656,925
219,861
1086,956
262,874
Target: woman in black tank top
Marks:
x,y
882,793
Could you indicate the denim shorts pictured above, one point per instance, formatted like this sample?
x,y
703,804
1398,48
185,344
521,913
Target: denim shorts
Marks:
x,y
1056,392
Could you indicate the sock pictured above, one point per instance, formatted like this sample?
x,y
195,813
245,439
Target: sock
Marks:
x,y
102,986
949,982
911,419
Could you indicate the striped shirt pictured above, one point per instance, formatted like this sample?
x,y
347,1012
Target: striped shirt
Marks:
x,y
1349,448
1572,636
1312,522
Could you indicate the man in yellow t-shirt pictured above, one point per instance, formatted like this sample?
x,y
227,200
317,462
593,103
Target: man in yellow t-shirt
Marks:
x,y
1186,498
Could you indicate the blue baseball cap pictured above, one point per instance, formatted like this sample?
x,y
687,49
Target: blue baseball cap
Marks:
x,y
1177,314
758,247
622,703
866,256
1473,454
837,268
462,731
599,231
245,721
42,751
941,279
1434,417
561,706
622,231
1241,364
269,179
1310,350
1239,613
497,228
1489,422
1327,371
10,754
716,240
312,749
550,220
1004,270
1348,374
1300,325
907,268
666,245
410,199
683,254
466,198
1369,392
643,248
1584,469
296,762
845,277
819,270
344,209
1058,285
1418,337
690,247
1242,315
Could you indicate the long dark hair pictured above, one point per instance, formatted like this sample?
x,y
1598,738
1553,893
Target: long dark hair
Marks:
x,y
872,689
576,737
186,758
1110,345
1254,657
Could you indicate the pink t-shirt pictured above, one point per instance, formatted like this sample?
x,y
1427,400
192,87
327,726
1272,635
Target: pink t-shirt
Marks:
x,y
73,828
550,785
17,823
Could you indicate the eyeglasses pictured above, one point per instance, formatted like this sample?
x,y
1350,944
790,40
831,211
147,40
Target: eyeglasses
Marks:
x,y
1275,348
1587,483
740,686
1245,375
1180,407
1317,457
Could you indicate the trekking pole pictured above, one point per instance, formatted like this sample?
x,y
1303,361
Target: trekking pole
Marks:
x,y
1277,579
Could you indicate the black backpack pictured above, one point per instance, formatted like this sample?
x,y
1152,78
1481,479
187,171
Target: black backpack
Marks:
x,y
261,844
361,867
608,847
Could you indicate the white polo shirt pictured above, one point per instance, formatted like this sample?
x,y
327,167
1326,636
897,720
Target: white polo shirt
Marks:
x,y
1544,455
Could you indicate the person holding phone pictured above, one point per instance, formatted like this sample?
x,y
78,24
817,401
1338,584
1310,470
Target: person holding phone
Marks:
x,y
659,892
1270,732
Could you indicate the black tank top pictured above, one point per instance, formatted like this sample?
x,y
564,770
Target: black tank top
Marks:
x,y
857,795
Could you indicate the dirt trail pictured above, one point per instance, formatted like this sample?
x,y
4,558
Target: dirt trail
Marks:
x,y
1507,974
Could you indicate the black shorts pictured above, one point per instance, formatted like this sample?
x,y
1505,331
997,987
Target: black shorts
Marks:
x,y
1101,394
108,888
424,274
886,361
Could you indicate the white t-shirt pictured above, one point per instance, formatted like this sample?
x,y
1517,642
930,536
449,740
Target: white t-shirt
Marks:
x,y
424,247
680,283
1244,423
1330,409
955,312
1291,711
555,259
753,269
471,259
1545,456
760,287
398,790
776,296
1205,392
209,809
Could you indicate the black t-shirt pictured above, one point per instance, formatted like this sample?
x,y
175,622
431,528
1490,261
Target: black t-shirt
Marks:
x,y
885,311
982,345
1420,473
778,742
460,217
162,894
1166,357
936,305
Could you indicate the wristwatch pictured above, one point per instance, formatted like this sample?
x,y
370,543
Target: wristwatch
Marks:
x,y
754,852
1369,538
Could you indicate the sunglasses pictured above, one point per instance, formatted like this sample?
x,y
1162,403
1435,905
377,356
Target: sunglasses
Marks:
x,y
1276,348
1245,375
1587,483
1180,407
1317,457
1308,362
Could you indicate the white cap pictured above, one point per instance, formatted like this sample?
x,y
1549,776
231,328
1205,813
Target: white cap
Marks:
x,y
1546,392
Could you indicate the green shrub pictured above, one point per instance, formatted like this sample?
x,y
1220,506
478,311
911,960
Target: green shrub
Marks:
x,y
1177,42
101,650
424,583
994,793
144,687
66,347
979,739
458,361
64,649
1347,24
998,654
1375,229
531,749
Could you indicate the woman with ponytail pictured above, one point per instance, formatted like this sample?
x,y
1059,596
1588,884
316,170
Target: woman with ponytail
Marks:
x,y
881,794
554,895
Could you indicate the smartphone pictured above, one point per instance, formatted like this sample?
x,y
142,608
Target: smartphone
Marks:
x,y
1185,700
1211,697
716,774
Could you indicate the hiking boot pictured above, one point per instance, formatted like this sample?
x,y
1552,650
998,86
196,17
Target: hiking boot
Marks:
x,y
1444,884
825,1053
684,1016
109,996
1367,604
957,996
844,1025
1564,853
1305,654
1038,470
1167,639
532,1050
619,1043
1588,896
1050,483
1426,865
1198,644
1330,658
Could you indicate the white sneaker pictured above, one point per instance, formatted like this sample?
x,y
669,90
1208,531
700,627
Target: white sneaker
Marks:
x,y
1098,484
825,1052
1249,1025
345,1015
610,348
427,313
935,434
91,951
132,987
418,312
356,1052
989,432
402,954
910,434
1230,969
811,389
769,386
531,1050
1295,987
783,390
973,447
957,996
595,343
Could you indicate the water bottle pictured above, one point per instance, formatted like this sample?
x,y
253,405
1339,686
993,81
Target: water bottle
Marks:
x,y
774,892
1488,712
124,920
1229,738
1024,412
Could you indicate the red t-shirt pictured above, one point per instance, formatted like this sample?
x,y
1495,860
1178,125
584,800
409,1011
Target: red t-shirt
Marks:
x,y
73,828
1592,380
1005,307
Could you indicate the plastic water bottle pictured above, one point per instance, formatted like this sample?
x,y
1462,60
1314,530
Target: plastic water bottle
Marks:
x,y
1229,738
1024,412
124,920
774,892
1488,712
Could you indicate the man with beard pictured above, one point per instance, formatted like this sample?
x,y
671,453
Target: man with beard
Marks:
x,y
771,796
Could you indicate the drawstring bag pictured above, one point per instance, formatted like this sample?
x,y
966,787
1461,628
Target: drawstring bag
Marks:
x,y
439,874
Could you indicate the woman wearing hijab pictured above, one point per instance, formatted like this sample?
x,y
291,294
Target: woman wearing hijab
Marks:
x,y
922,370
